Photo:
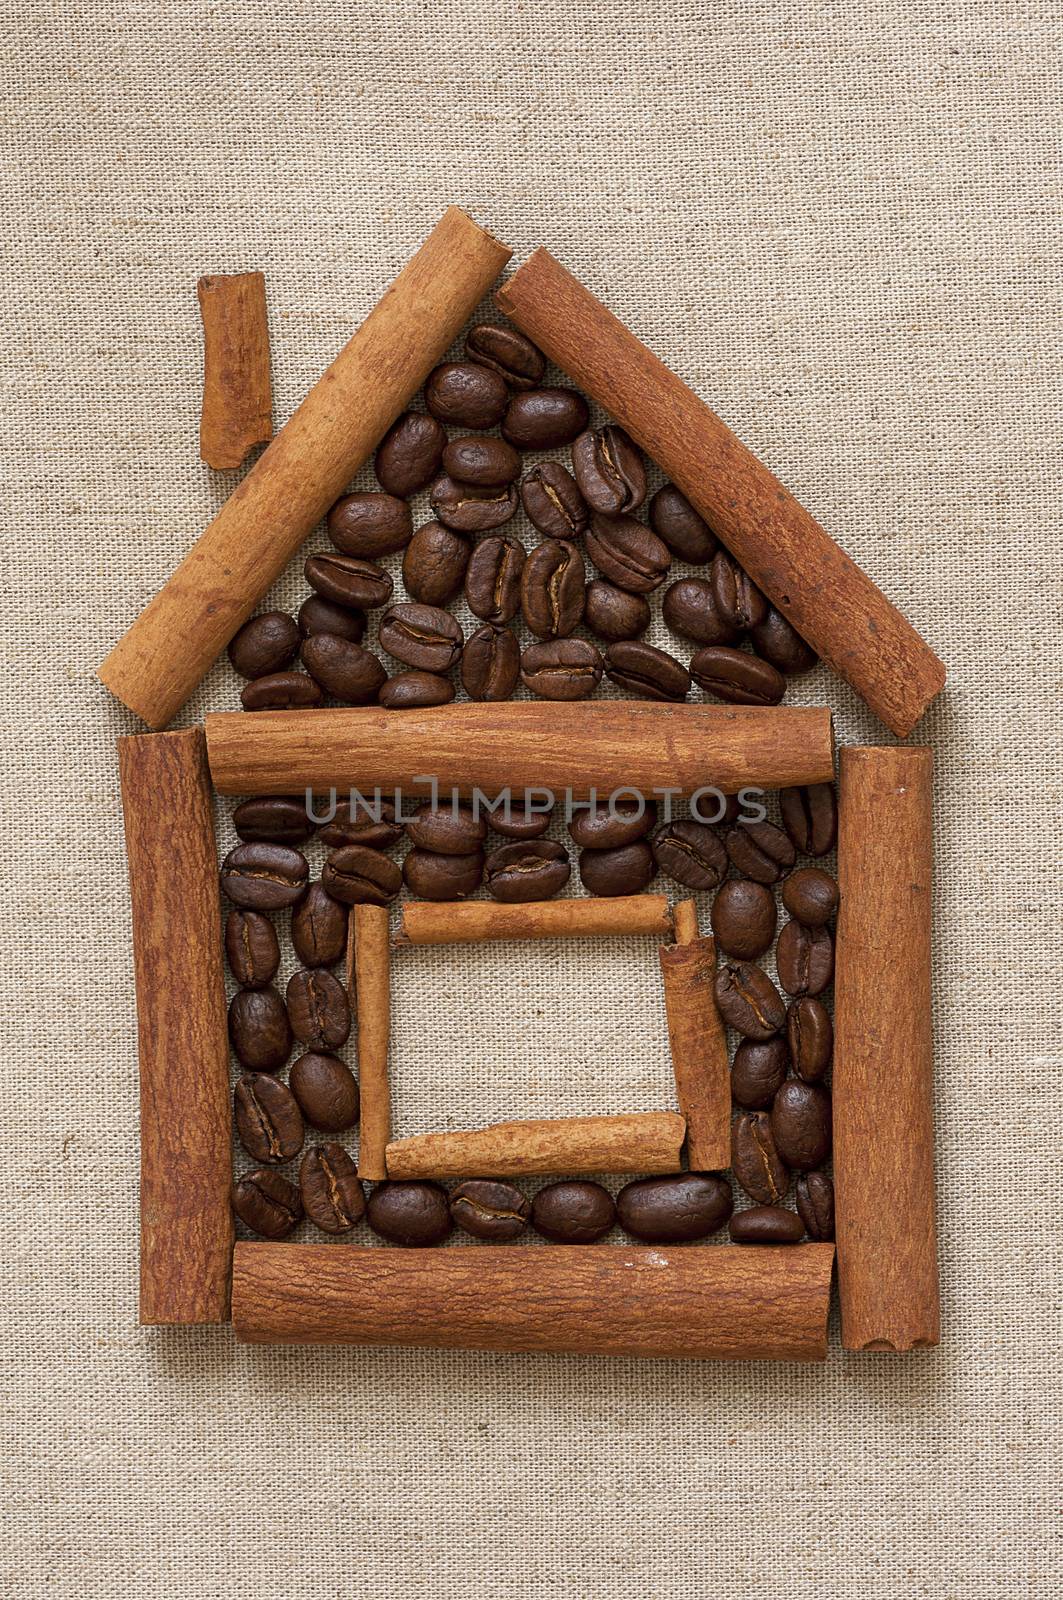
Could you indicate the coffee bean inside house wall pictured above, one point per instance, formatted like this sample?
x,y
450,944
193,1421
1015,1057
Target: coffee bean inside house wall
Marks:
x,y
534,869
482,461
375,826
264,877
413,691
690,853
318,1009
318,615
562,669
267,1117
748,1001
265,644
332,1196
413,1213
689,609
488,1209
259,1031
608,825
628,869
573,1212
410,454
431,876
448,830
782,645
348,581
766,1225
755,1160
810,817
674,520
490,663
544,419
609,470
272,819
804,959
520,822
360,876
814,1195
553,589
267,1203
326,1090
425,637
675,1209
810,895
743,918
736,676
347,671
434,563
281,691
759,850
319,929
644,670
801,1124
493,577
614,614
738,600
507,352
627,553
471,508
370,525
758,1071
810,1037
251,948
552,501
466,394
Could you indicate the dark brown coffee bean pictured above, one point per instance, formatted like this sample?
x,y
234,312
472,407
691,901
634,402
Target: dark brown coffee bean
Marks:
x,y
370,524
318,1009
759,1069
782,645
810,817
748,1001
628,869
691,853
431,876
267,1203
490,663
264,645
360,876
267,1118
448,830
804,959
801,1124
689,609
251,949
409,454
562,669
319,929
520,822
259,1031
743,918
736,676
492,580
810,1035
413,1213
272,819
489,1210
613,823
348,581
281,691
371,823
264,877
552,502
573,1212
613,613
627,553
644,670
755,1161
766,1225
470,508
609,470
466,394
317,615
332,1196
815,1204
674,519
675,1210
759,850
485,462
434,563
412,691
738,600
811,896
553,589
532,869
544,419
347,671
425,637
326,1090
506,352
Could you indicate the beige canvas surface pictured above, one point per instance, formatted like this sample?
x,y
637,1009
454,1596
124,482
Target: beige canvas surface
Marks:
x,y
840,222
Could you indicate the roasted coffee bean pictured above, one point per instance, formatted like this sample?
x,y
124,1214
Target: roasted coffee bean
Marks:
x,y
486,462
801,1124
317,615
466,394
259,1031
520,822
544,419
766,1225
738,600
782,645
490,663
319,929
448,830
758,1070
409,454
333,1198
264,645
372,824
614,613
506,352
318,1009
267,1203
628,869
425,637
573,1212
674,519
810,1036
736,676
815,1204
326,1090
612,823
689,609
759,850
691,854
281,691
552,502
675,1210
267,1118
360,876
811,896
755,1161
431,876
743,918
810,817
609,470
532,869
644,670
804,959
492,579
627,553
413,1213
489,1210
264,877
562,669
348,581
348,671
552,589
412,691
748,1001
434,563
272,819
370,524
470,508
251,949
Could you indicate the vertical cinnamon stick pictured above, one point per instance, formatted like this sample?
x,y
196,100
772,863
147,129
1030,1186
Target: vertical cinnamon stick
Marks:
x,y
698,1042
369,980
237,397
186,1228
883,1055
685,921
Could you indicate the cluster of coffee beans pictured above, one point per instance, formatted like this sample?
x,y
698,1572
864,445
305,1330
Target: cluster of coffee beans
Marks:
x,y
477,478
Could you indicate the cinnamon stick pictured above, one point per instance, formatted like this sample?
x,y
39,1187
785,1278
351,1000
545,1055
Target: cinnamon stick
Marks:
x,y
813,583
639,1141
369,982
166,652
698,1043
883,1054
237,397
703,1302
685,921
471,921
186,1227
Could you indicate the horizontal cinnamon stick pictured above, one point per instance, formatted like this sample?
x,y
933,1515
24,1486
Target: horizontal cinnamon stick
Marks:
x,y
237,396
813,583
883,1053
186,1227
699,1049
638,1141
166,652
603,745
469,921
369,985
695,1301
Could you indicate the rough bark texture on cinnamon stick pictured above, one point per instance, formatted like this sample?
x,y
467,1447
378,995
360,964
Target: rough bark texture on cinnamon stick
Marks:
x,y
699,1051
237,397
883,1052
813,583
166,652
685,921
638,1141
369,984
720,1301
469,921
186,1228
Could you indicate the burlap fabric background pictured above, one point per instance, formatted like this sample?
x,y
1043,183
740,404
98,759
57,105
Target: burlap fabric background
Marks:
x,y
837,221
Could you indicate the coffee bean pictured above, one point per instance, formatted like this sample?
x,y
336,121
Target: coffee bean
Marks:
x,y
348,581
448,830
810,817
552,502
264,645
801,1124
573,1212
251,949
736,676
628,869
689,609
490,663
326,1090
348,671
759,850
319,929
413,1213
811,896
552,589
492,581
318,1009
430,876
332,1195
434,563
272,819
743,918
766,1225
810,1035
409,454
259,1031
644,670
613,613
486,462
544,419
360,876
267,1203
691,853
674,519
782,645
267,1118
755,1161
425,637
506,352
758,1070
533,869
412,691
612,823
804,959
748,1001
466,394
264,877
815,1204
469,508
370,823
281,691
489,1210
738,600
317,615
370,524
609,470
520,822
675,1210
562,669
627,553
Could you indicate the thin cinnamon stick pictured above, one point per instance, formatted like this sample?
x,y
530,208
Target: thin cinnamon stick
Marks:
x,y
813,583
639,1141
685,921
237,397
471,921
186,1227
699,1047
166,652
724,1302
369,982
883,1054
